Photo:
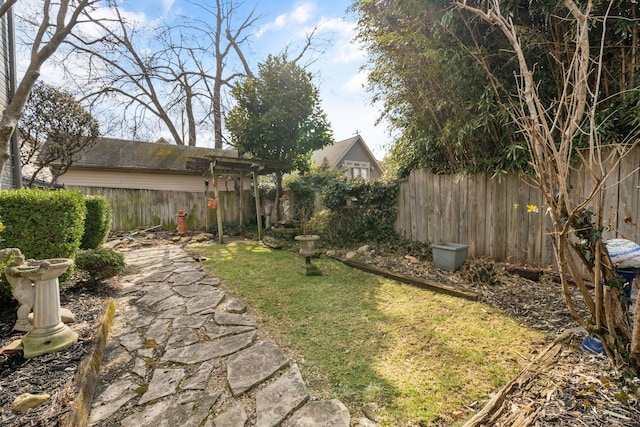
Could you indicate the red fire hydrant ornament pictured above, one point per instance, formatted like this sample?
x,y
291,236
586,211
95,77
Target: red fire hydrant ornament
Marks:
x,y
182,222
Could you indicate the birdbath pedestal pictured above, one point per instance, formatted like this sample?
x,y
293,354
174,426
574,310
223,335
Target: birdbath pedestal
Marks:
x,y
49,334
307,250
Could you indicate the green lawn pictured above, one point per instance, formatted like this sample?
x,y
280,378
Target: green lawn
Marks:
x,y
399,353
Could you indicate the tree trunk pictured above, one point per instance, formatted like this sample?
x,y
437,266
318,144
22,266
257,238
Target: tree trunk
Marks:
x,y
276,204
217,113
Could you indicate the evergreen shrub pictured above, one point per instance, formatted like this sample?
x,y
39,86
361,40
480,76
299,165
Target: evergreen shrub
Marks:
x,y
100,263
42,224
97,223
371,216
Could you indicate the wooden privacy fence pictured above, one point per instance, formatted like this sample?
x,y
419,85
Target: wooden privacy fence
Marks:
x,y
135,209
493,217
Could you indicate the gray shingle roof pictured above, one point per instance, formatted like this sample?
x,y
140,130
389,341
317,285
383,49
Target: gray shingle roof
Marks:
x,y
111,153
335,152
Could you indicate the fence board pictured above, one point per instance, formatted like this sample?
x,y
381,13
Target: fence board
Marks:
x,y
472,217
463,232
428,191
403,222
481,216
413,214
629,196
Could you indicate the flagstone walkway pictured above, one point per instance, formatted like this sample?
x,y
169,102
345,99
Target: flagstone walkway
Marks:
x,y
182,353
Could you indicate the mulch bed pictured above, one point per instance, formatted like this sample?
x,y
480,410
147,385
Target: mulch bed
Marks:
x,y
50,373
578,389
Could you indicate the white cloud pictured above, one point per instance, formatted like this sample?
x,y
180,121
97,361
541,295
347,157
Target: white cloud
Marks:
x,y
344,50
166,5
300,15
357,82
303,13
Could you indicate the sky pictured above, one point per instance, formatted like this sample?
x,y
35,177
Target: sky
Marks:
x,y
336,60
337,70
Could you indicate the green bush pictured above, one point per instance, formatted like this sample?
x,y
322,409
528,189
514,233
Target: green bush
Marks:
x,y
97,224
42,224
100,263
369,219
303,194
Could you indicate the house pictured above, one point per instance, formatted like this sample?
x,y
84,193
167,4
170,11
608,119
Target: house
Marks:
x,y
11,177
121,163
351,156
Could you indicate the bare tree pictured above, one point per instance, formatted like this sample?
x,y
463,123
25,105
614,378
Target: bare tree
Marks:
x,y
222,40
551,131
123,69
57,20
176,73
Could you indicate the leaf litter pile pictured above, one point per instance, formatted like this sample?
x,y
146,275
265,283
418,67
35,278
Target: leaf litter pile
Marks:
x,y
572,388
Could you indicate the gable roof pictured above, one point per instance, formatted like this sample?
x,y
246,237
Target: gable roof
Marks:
x,y
123,154
335,153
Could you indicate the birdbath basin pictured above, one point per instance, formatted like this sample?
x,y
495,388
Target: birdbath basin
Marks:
x,y
49,334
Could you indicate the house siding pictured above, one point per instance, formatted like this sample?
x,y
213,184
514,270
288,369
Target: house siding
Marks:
x,y
358,154
8,178
141,181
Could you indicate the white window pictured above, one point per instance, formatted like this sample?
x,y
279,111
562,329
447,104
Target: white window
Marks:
x,y
356,169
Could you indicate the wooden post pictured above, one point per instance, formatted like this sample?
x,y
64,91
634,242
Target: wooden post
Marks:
x,y
216,192
241,204
256,192
206,205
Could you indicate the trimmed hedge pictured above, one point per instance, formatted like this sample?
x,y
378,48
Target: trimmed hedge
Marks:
x,y
97,223
43,223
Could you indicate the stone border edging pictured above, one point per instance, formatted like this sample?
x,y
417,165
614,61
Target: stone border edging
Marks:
x,y
86,378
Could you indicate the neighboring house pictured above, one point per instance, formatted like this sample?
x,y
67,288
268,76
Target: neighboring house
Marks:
x,y
11,176
152,183
351,156
118,163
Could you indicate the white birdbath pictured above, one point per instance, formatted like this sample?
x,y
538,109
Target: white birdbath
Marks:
x,y
49,334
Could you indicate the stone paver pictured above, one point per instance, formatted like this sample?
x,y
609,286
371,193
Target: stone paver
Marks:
x,y
277,401
236,306
163,383
228,319
158,331
116,395
181,353
207,350
194,290
327,413
218,331
156,294
200,378
205,303
189,410
183,279
234,417
254,365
